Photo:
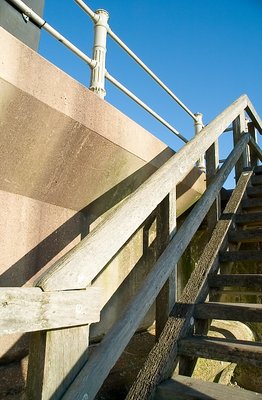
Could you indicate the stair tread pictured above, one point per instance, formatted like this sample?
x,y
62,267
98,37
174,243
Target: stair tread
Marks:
x,y
249,218
186,388
254,191
244,312
258,170
251,203
248,235
240,255
238,351
256,180
240,280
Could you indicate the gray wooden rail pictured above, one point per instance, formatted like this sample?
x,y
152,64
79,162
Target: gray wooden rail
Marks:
x,y
60,354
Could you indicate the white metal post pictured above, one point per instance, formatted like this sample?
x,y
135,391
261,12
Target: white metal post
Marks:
x,y
97,84
198,127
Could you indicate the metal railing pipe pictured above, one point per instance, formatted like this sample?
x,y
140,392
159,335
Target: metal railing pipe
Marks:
x,y
41,23
137,59
143,105
88,10
150,72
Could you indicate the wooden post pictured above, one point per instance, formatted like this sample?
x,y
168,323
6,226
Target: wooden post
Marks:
x,y
212,166
55,358
167,296
253,134
239,127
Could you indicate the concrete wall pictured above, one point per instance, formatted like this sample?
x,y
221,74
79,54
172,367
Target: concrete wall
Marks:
x,y
68,158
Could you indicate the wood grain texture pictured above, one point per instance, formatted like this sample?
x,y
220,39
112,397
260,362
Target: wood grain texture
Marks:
x,y
55,358
250,204
254,191
235,351
253,219
185,388
250,109
241,255
162,359
79,267
239,126
92,375
30,309
246,236
229,311
239,280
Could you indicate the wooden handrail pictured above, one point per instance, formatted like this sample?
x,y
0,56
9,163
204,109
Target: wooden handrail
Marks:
x,y
98,366
254,116
85,261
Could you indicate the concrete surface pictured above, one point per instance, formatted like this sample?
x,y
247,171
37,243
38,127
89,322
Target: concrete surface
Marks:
x,y
68,158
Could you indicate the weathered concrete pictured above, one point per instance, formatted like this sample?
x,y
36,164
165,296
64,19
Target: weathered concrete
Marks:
x,y
68,158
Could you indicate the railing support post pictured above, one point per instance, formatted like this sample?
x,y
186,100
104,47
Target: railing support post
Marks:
x,y
253,134
97,82
239,129
198,127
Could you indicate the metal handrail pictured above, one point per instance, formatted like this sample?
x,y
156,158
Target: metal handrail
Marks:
x,y
94,16
42,24
97,63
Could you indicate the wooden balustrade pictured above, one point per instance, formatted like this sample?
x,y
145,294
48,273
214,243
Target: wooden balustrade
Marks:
x,y
73,273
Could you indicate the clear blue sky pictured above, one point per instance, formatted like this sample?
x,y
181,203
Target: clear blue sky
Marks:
x,y
208,52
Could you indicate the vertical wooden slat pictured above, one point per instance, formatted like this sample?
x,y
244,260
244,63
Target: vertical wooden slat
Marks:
x,y
253,134
212,166
55,358
239,127
167,296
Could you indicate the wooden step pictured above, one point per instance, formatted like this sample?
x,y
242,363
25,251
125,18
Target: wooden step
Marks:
x,y
248,204
240,255
258,170
239,280
254,191
184,388
256,180
245,236
237,351
229,311
249,219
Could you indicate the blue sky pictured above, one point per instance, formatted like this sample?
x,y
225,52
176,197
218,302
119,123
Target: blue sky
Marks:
x,y
208,52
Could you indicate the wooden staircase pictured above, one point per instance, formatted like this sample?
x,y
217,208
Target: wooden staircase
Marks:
x,y
235,244
247,233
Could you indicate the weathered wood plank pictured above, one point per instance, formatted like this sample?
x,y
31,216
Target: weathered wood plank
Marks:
x,y
250,109
30,309
185,388
167,228
240,255
254,191
162,359
237,351
229,311
254,219
212,166
258,170
256,180
249,204
100,363
80,266
239,280
255,148
239,127
253,134
245,236
55,358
